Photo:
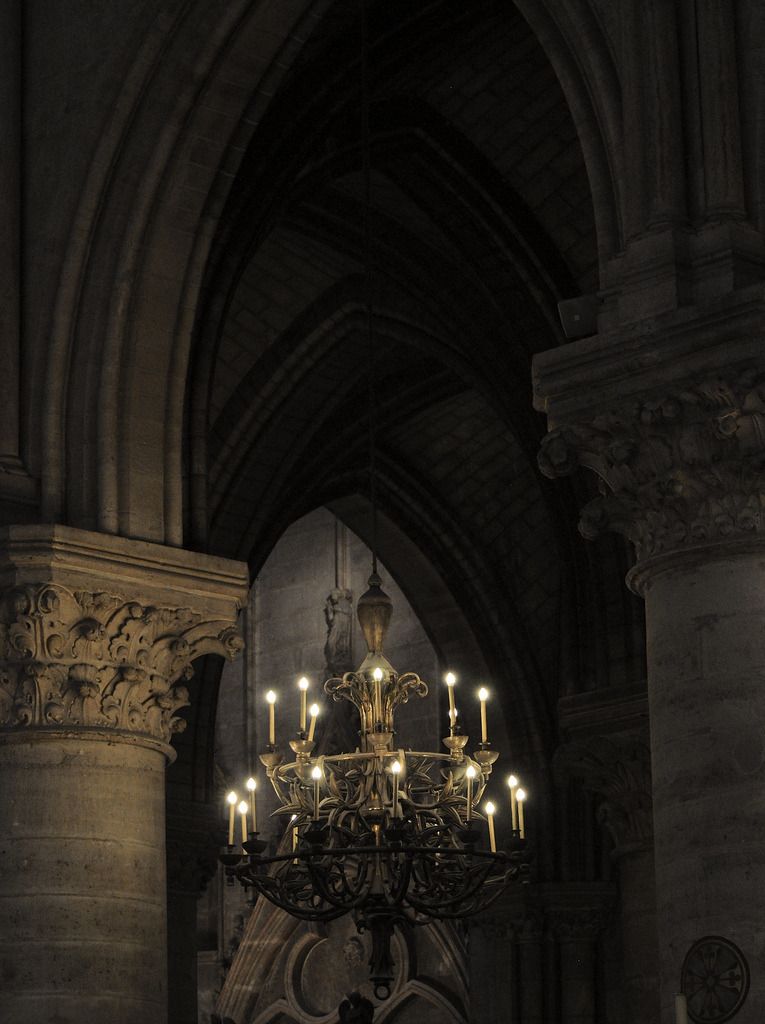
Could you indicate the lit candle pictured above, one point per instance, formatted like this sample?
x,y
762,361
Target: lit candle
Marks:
x,y
231,800
520,797
251,787
243,813
513,784
314,710
377,676
483,695
681,1009
396,769
451,679
316,776
470,775
294,833
271,698
303,684
492,837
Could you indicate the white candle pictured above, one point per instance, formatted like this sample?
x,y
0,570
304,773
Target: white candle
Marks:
x,y
681,1009
251,787
492,837
470,775
231,800
316,776
396,770
521,796
451,679
271,698
314,710
303,685
243,813
294,833
483,695
513,784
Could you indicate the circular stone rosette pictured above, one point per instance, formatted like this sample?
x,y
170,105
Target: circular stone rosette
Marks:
x,y
714,980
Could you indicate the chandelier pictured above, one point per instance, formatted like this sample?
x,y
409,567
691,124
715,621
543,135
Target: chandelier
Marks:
x,y
393,837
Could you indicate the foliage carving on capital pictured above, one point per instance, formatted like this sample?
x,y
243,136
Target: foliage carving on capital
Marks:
x,y
677,468
79,659
618,771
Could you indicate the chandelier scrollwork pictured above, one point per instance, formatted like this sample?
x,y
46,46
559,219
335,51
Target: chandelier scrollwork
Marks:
x,y
389,835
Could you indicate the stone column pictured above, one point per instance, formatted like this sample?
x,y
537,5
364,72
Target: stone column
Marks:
x,y
96,637
529,930
680,450
576,914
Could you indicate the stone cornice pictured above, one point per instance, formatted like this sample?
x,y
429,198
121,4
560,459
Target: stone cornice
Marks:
x,y
577,381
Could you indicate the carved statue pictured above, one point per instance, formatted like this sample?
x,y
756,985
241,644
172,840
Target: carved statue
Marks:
x,y
356,1010
338,613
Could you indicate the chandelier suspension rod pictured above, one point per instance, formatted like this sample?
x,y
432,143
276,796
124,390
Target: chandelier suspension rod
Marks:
x,y
366,146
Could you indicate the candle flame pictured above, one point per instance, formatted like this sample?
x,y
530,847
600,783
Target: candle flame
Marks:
x,y
243,808
451,679
316,772
232,798
303,683
271,697
470,771
313,710
396,767
251,784
377,675
490,808
512,781
483,693
520,795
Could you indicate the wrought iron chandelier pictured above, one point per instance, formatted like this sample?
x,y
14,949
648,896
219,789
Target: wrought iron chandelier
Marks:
x,y
388,835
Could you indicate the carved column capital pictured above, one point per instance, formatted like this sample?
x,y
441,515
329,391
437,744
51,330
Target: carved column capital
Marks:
x,y
678,467
577,912
618,770
114,657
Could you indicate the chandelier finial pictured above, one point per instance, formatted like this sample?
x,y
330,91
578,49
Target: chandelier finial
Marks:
x,y
374,610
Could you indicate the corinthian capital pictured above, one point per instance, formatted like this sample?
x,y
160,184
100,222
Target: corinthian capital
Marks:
x,y
96,659
677,467
109,657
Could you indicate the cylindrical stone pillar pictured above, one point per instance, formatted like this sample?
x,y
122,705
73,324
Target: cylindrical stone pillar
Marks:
x,y
531,976
705,621
577,963
82,878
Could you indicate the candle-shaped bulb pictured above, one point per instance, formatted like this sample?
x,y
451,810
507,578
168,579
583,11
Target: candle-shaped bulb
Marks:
x,y
470,771
520,796
303,685
377,675
243,808
492,834
314,713
231,799
316,776
450,678
316,773
490,808
251,784
512,781
396,767
470,775
483,696
271,698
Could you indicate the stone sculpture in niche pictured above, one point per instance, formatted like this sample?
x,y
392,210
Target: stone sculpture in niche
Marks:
x,y
338,613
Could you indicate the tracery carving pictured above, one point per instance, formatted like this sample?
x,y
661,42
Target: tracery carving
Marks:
x,y
618,771
676,468
74,658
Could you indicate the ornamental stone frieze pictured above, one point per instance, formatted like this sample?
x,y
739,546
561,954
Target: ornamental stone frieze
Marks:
x,y
677,468
113,657
618,770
